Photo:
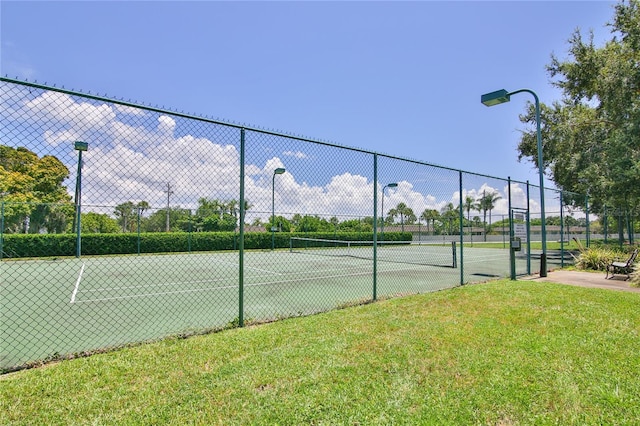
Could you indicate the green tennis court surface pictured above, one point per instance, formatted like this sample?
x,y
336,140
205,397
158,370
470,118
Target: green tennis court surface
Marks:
x,y
66,306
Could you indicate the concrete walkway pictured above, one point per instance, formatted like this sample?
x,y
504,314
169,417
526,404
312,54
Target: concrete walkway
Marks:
x,y
587,279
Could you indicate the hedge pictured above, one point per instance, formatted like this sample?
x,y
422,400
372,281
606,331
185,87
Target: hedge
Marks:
x,y
61,245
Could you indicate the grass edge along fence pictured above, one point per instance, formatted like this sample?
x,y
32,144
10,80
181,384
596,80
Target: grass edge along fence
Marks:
x,y
240,136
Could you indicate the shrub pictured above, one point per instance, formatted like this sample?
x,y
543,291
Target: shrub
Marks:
x,y
53,245
596,259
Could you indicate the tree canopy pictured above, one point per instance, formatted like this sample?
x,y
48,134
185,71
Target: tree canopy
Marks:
x,y
591,137
32,191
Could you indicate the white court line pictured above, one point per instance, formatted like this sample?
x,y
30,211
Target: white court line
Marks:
x,y
75,289
93,290
195,290
367,271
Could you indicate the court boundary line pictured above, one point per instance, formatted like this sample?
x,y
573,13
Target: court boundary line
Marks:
x,y
77,286
356,271
332,270
196,290
103,289
173,283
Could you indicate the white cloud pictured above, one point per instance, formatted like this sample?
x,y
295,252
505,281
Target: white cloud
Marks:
x,y
136,162
128,110
62,109
166,125
297,154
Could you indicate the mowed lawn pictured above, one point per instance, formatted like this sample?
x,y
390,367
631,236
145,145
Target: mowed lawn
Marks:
x,y
499,353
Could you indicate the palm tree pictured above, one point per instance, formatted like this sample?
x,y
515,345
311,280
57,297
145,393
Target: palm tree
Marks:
x,y
491,199
208,206
450,213
405,212
232,207
430,215
124,211
470,204
487,203
142,206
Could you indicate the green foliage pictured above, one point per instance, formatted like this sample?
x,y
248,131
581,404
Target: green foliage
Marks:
x,y
215,215
599,255
282,224
405,212
52,245
96,223
592,136
430,216
32,188
308,223
179,220
596,259
635,278
355,225
39,245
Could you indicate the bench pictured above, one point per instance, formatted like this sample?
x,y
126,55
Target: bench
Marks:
x,y
622,267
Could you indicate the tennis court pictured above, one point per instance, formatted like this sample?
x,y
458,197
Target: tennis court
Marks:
x,y
66,306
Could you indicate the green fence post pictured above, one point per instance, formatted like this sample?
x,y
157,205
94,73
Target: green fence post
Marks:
x,y
190,231
375,226
1,229
528,232
78,205
461,230
605,224
512,253
588,231
138,231
80,147
241,240
561,231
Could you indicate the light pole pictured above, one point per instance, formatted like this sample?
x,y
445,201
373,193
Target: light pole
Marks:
x,y
80,147
278,171
502,96
389,185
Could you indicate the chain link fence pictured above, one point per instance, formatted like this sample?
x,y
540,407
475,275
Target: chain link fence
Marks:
x,y
122,223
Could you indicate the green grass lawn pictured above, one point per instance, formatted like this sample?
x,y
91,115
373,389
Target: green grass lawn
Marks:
x,y
500,353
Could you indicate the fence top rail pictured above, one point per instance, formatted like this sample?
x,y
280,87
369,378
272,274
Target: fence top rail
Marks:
x,y
162,110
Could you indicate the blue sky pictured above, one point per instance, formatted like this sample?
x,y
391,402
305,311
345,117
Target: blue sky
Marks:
x,y
400,78
403,78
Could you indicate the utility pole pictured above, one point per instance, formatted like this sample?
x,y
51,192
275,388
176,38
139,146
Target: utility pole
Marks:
x,y
169,192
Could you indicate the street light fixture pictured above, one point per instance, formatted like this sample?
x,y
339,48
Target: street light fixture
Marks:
x,y
500,97
278,171
80,147
389,185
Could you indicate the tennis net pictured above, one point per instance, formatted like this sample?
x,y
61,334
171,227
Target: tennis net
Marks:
x,y
387,251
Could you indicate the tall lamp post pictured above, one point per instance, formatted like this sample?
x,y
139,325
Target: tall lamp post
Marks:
x,y
80,147
389,185
500,97
278,171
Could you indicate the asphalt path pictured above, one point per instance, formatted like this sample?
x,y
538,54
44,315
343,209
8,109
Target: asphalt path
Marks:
x,y
587,279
